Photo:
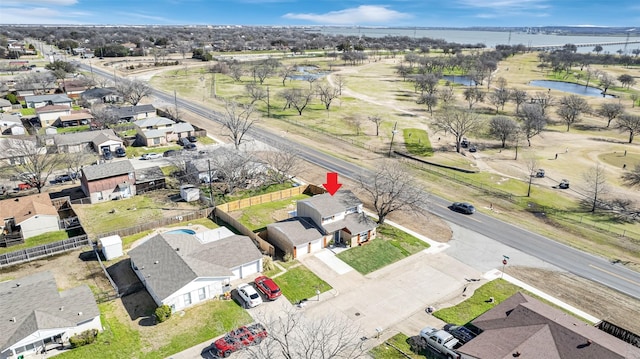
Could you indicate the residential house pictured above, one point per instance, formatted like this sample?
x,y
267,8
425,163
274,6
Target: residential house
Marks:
x,y
323,220
5,105
149,179
85,141
11,124
15,150
74,88
156,131
37,317
25,90
101,95
134,113
28,216
524,327
50,114
44,100
108,181
180,270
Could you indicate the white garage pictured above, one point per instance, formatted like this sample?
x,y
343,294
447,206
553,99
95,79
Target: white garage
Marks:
x,y
247,269
301,250
315,246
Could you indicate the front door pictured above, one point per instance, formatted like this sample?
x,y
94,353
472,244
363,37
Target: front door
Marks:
x,y
336,238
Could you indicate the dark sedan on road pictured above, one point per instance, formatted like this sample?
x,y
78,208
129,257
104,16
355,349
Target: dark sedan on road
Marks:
x,y
463,207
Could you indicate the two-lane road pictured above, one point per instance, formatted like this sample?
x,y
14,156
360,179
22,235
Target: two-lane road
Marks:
x,y
614,276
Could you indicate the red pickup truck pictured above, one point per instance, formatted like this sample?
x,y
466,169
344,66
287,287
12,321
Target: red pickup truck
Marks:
x,y
238,339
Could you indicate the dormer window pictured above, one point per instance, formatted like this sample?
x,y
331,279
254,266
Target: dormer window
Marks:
x,y
328,219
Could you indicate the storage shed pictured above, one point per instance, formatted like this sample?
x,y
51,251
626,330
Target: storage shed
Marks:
x,y
189,193
111,247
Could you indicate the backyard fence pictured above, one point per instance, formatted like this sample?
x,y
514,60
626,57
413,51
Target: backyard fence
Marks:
x,y
266,247
29,254
265,198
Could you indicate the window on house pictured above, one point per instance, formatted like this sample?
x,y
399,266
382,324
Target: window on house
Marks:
x,y
187,299
327,219
100,196
364,236
202,293
156,141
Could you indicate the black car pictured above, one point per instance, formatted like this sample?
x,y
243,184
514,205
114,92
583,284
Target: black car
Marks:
x,y
183,141
170,153
192,138
190,147
121,152
463,207
107,154
463,334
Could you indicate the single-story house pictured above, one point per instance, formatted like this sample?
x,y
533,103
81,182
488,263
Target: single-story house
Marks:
x,y
524,327
155,131
85,141
50,114
11,124
134,113
74,88
29,215
37,317
297,236
180,270
108,181
5,105
76,118
149,179
44,100
101,95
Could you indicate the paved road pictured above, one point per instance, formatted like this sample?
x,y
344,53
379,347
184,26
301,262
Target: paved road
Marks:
x,y
614,276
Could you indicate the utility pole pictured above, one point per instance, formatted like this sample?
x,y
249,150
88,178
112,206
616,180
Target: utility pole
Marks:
x,y
211,191
393,133
268,107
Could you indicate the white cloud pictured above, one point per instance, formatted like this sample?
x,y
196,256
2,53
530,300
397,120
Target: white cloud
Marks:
x,y
364,14
41,16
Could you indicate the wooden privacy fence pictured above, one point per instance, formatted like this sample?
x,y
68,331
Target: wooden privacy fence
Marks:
x,y
265,198
29,254
266,247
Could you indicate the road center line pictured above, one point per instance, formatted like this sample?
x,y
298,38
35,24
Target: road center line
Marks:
x,y
614,274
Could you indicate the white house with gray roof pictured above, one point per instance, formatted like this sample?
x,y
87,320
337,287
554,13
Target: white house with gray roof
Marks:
x,y
35,316
157,131
322,220
85,141
38,101
180,270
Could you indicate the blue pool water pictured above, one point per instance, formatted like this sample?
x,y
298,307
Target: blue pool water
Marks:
x,y
181,231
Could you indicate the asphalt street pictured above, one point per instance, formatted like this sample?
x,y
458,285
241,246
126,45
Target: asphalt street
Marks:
x,y
612,275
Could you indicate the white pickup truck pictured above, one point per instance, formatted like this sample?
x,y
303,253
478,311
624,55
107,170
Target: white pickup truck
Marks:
x,y
440,341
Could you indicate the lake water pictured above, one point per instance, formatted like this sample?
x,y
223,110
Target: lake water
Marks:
x,y
570,87
462,80
489,38
304,72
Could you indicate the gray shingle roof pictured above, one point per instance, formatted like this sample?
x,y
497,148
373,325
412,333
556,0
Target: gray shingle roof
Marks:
x,y
57,98
105,170
130,111
355,223
81,137
36,303
98,92
181,258
327,204
297,231
535,329
149,174
154,121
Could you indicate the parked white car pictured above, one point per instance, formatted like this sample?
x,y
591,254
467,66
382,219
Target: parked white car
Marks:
x,y
151,156
249,295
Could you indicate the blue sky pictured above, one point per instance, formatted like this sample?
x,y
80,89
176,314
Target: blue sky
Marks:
x,y
424,13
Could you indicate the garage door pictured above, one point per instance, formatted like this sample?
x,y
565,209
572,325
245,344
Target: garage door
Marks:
x,y
316,245
302,250
250,268
236,273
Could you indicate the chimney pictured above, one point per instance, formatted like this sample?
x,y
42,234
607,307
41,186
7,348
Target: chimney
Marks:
x,y
156,262
17,285
13,319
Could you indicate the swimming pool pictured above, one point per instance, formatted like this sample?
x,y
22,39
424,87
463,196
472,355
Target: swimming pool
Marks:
x,y
181,231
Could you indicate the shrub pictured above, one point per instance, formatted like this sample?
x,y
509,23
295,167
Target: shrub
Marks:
x,y
163,313
84,338
267,263
288,257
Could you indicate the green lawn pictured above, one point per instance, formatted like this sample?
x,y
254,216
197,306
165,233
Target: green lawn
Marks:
x,y
201,221
417,142
391,245
471,308
38,240
73,129
300,283
398,341
98,218
257,217
199,324
128,240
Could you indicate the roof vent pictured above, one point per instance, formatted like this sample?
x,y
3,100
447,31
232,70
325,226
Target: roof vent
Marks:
x,y
13,319
178,249
156,262
79,313
17,284
61,308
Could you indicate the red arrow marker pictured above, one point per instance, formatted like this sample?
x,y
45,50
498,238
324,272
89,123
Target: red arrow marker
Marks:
x,y
332,186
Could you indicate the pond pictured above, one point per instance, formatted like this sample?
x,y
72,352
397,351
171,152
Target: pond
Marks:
x,y
570,87
462,80
304,72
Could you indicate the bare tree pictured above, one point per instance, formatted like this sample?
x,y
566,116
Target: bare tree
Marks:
x,y
283,162
458,122
446,95
340,83
235,71
532,120
632,178
297,98
499,97
355,122
544,100
103,117
532,167
236,169
256,92
377,121
429,99
133,91
610,111
504,128
76,160
571,107
628,123
596,186
238,121
292,335
326,93
473,95
634,98
606,81
519,97
285,72
392,189
34,160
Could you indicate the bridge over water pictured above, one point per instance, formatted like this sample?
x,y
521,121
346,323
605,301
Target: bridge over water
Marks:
x,y
589,44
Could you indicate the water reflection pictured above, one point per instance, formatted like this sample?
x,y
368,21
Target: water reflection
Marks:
x,y
305,72
462,80
570,87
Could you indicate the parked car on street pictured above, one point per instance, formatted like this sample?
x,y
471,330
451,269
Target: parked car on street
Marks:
x,y
463,207
183,141
239,339
268,287
150,156
121,152
190,147
66,177
107,154
170,153
564,184
249,295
